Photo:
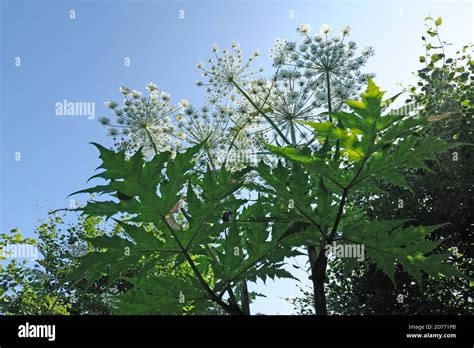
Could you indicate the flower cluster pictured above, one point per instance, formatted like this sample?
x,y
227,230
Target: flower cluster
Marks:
x,y
224,132
145,122
244,144
203,126
243,108
288,99
326,60
226,72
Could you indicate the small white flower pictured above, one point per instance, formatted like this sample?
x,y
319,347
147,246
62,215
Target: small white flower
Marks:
x,y
200,65
180,117
325,29
111,104
346,30
124,90
215,48
165,96
368,51
183,103
151,87
136,94
304,28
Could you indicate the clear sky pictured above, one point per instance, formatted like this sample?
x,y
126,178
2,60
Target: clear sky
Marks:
x,y
82,60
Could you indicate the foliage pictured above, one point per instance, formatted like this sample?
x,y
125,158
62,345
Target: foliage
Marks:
x,y
359,154
438,195
182,238
444,88
176,216
32,285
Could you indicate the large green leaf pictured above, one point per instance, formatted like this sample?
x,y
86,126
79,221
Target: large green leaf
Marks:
x,y
388,244
359,155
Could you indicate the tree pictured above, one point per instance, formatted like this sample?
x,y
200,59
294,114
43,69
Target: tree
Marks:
x,y
31,285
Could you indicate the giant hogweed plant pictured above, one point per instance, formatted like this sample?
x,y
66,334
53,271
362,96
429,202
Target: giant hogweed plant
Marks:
x,y
305,200
175,214
359,150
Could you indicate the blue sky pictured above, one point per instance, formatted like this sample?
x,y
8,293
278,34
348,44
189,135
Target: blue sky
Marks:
x,y
83,60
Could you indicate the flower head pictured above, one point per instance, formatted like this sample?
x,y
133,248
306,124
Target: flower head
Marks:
x,y
204,127
151,87
329,62
346,30
111,104
304,29
290,98
226,71
183,103
145,122
124,90
368,51
325,29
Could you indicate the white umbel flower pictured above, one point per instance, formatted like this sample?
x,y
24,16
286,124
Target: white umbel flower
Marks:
x,y
165,96
368,51
151,87
225,71
124,90
326,60
325,29
111,104
183,103
346,30
304,29
144,122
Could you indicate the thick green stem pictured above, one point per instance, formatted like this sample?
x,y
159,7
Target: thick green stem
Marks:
x,y
211,162
328,86
318,277
293,134
318,263
212,295
244,297
151,140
